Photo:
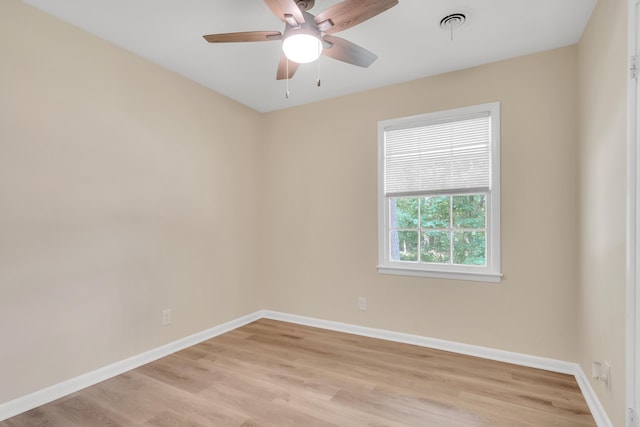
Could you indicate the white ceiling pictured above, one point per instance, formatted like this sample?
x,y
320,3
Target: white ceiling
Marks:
x,y
407,39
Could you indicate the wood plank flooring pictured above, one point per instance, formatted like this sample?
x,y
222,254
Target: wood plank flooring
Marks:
x,y
271,373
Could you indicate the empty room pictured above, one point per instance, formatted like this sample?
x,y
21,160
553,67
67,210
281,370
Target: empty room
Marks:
x,y
425,217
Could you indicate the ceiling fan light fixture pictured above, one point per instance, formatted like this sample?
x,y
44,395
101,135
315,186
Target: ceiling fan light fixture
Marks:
x,y
306,36
302,47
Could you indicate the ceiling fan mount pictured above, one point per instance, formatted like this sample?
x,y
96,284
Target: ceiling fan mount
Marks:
x,y
298,21
305,4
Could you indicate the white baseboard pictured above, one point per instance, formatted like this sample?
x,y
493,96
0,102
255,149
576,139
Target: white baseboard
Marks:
x,y
49,394
56,391
455,347
598,412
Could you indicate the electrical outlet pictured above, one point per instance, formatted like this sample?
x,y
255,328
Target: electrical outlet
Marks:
x,y
166,317
362,303
601,371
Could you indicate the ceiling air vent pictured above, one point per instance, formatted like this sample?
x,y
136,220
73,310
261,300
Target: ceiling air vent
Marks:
x,y
455,20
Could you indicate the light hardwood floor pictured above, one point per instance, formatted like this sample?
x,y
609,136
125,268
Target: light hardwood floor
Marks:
x,y
271,373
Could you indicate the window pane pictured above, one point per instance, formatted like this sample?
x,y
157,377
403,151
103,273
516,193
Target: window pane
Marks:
x,y
469,211
436,247
469,247
434,212
404,212
404,245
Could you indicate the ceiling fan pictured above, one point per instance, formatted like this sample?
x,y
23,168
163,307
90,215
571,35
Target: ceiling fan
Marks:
x,y
306,37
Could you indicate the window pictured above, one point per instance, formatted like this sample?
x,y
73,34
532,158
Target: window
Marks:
x,y
439,194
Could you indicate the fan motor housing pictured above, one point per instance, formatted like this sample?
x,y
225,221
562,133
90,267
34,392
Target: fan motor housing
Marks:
x,y
308,27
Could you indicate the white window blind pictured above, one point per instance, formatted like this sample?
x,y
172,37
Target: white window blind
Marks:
x,y
446,156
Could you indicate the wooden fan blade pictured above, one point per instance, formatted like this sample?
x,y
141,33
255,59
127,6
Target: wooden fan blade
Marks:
x,y
345,51
282,68
248,36
348,13
284,8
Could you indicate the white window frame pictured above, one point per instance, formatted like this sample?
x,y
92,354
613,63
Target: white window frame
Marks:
x,y
489,273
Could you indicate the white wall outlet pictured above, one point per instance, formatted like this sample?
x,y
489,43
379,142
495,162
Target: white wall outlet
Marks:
x,y
362,303
601,371
166,317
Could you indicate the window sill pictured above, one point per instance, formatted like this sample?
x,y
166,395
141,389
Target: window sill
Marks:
x,y
454,275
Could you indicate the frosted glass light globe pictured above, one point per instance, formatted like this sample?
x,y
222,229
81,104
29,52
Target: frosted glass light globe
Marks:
x,y
302,48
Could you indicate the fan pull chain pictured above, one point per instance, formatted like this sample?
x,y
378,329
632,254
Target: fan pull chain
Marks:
x,y
286,95
318,61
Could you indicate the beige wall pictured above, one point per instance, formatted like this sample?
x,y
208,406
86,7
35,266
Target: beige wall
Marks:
x,y
321,226
124,190
602,63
